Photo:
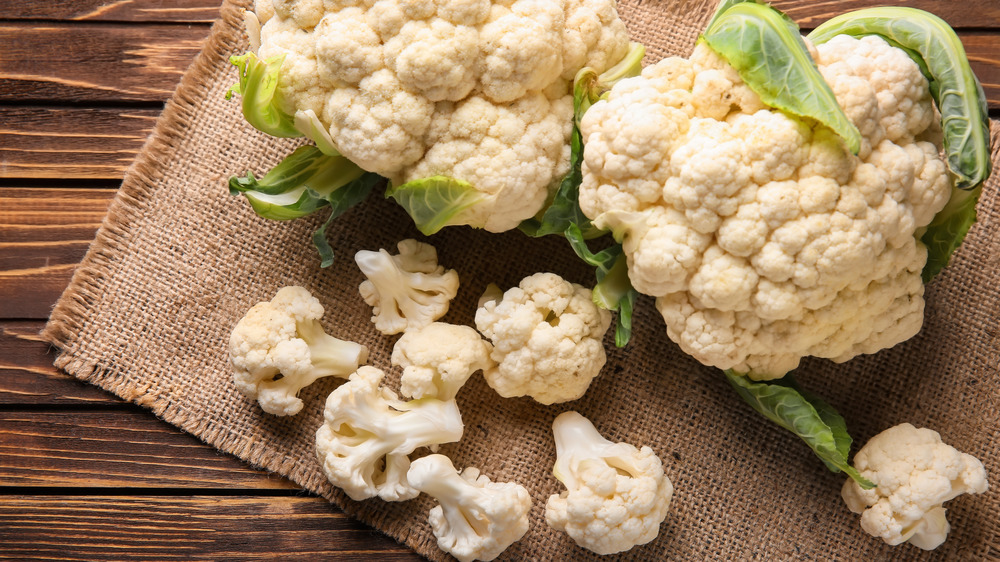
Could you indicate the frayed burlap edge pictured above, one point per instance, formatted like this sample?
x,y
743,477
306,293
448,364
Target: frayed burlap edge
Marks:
x,y
70,312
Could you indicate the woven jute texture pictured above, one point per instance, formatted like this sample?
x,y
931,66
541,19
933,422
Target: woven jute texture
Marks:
x,y
178,261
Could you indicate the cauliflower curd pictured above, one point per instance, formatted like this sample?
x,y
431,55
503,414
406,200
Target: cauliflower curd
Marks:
x,y
915,473
547,336
470,89
617,494
763,238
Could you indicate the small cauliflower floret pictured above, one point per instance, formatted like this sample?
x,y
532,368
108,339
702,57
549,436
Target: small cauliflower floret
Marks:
x,y
384,75
438,358
406,291
616,496
914,474
765,240
280,347
476,519
547,336
368,432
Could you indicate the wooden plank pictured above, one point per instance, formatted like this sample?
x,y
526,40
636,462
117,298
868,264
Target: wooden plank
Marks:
x,y
983,50
89,62
970,13
981,13
44,233
28,377
187,528
94,143
125,447
191,11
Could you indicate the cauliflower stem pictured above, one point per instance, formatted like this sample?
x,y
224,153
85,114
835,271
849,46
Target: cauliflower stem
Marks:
x,y
305,181
261,100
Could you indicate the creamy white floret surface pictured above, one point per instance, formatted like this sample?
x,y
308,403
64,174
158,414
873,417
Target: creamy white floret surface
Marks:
x,y
762,237
470,89
915,473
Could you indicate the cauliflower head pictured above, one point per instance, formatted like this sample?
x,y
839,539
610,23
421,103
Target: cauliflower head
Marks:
x,y
547,336
279,347
476,519
761,236
407,290
368,432
470,89
438,358
914,473
616,494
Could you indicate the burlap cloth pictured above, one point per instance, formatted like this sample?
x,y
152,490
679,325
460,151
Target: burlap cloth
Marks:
x,y
178,261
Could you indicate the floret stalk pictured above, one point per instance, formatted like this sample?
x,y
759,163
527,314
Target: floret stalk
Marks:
x,y
305,181
577,442
423,422
376,430
460,501
630,65
330,355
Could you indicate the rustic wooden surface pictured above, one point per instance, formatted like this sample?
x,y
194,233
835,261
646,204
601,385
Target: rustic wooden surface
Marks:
x,y
83,475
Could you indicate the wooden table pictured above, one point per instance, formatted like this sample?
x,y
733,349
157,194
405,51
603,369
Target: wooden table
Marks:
x,y
84,475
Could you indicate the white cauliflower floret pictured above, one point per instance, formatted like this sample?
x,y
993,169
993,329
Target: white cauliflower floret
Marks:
x,y
547,336
616,496
438,358
914,474
476,519
279,347
368,432
408,290
763,239
383,76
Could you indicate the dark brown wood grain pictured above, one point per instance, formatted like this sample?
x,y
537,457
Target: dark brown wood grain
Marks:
x,y
124,447
67,527
135,11
121,62
28,378
93,143
44,233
